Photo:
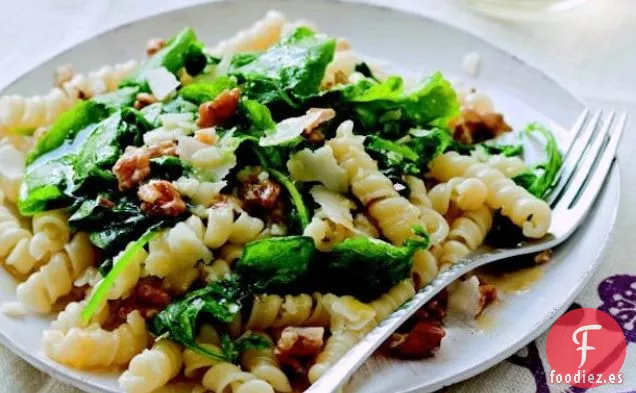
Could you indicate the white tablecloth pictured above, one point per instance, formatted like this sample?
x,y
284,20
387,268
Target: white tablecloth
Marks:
x,y
590,49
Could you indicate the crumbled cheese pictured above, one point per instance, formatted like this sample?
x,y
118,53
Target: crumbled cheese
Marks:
x,y
13,309
464,297
161,82
336,207
471,63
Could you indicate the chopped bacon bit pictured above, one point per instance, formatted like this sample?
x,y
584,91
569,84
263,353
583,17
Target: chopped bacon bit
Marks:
x,y
300,341
422,341
543,257
219,110
143,100
154,45
132,167
163,148
207,136
472,127
160,197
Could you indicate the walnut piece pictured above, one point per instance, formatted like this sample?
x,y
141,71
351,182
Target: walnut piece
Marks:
x,y
148,296
488,295
132,167
472,127
154,45
143,100
543,257
163,148
219,110
299,341
160,197
312,132
422,341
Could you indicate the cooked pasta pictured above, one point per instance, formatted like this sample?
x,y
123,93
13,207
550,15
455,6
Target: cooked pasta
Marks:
x,y
220,207
227,377
223,227
467,233
263,364
18,113
530,213
152,368
93,347
55,279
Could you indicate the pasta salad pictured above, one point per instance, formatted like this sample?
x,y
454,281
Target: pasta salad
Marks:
x,y
237,217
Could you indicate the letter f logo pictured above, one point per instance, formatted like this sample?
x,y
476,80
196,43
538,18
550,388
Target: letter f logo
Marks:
x,y
583,344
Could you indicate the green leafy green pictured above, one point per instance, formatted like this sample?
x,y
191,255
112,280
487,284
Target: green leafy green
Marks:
x,y
258,117
288,72
367,267
365,70
105,144
220,300
47,185
277,263
98,297
169,168
118,99
393,157
495,148
173,57
201,92
540,179
386,106
232,349
82,115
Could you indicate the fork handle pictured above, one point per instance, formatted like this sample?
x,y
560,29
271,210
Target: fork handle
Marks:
x,y
340,372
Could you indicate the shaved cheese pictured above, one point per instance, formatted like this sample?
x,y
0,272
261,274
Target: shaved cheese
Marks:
x,y
161,82
464,297
290,129
318,165
336,207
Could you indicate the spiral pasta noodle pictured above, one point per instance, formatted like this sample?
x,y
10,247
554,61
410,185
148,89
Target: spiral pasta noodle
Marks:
x,y
326,233
215,271
467,233
19,113
152,368
227,377
262,363
394,298
258,37
336,347
223,227
291,310
395,215
509,166
468,194
71,317
434,223
530,213
55,279
93,347
177,248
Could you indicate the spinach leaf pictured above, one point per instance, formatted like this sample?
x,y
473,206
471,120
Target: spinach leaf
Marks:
x,y
429,144
495,148
220,300
386,106
367,267
47,186
288,72
276,264
105,145
232,349
169,168
69,124
118,99
540,179
393,157
258,117
98,297
365,70
201,92
172,57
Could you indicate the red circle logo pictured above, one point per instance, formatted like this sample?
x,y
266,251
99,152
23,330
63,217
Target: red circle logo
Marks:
x,y
586,348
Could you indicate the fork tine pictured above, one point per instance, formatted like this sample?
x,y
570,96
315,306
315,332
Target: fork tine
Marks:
x,y
577,128
577,149
584,168
602,169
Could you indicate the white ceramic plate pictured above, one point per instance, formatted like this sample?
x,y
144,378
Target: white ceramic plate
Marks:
x,y
422,45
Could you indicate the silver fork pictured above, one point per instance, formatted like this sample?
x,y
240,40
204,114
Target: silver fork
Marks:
x,y
586,165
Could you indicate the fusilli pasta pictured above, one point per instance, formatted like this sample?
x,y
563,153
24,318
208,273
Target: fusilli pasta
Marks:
x,y
227,377
152,368
263,364
468,194
223,227
93,347
336,347
467,233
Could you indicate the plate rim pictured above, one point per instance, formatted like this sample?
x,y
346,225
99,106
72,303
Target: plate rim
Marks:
x,y
59,371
